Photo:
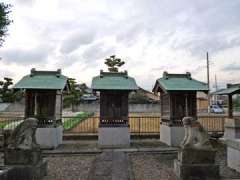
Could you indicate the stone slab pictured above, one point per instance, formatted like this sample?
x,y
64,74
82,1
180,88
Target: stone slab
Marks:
x,y
233,143
22,157
49,137
196,171
113,136
28,172
171,135
233,158
232,128
4,172
110,165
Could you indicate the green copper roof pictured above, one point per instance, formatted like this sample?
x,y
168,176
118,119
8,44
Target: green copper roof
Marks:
x,y
113,81
234,89
42,80
180,82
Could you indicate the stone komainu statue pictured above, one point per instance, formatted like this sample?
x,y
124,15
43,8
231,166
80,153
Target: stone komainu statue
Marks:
x,y
195,136
23,136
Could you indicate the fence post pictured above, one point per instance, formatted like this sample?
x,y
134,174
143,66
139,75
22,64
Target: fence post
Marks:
x,y
93,128
139,127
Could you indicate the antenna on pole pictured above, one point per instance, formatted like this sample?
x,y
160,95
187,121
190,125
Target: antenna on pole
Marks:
x,y
208,82
216,87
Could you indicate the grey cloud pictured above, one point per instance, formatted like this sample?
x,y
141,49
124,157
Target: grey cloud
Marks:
x,y
197,26
96,52
231,67
25,2
164,67
77,39
129,33
36,55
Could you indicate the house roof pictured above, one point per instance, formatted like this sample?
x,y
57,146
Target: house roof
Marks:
x,y
179,82
52,80
114,81
231,89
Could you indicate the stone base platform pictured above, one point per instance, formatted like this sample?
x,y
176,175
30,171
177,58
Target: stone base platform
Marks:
x,y
114,136
232,128
196,171
4,172
233,154
171,135
49,137
22,157
27,172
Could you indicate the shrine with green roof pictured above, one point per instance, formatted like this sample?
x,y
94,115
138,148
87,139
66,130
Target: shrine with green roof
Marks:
x,y
231,122
231,90
178,100
114,88
43,100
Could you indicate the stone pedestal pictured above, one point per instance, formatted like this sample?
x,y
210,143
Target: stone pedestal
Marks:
x,y
22,157
114,136
49,137
24,164
233,154
232,128
28,172
196,163
171,135
4,172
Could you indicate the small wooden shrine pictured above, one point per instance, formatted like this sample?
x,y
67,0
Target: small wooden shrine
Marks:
x,y
114,88
231,90
232,124
43,98
178,98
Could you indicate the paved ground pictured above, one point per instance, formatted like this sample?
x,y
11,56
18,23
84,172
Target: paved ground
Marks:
x,y
145,160
110,165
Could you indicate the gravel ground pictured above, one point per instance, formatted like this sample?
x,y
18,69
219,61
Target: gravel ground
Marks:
x,y
74,167
149,166
153,166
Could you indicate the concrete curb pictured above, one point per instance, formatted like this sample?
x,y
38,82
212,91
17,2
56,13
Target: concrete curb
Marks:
x,y
98,151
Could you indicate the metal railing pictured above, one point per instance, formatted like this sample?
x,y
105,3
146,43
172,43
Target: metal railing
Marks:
x,y
138,124
9,122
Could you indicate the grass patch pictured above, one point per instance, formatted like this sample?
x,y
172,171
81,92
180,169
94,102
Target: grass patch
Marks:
x,y
74,121
3,124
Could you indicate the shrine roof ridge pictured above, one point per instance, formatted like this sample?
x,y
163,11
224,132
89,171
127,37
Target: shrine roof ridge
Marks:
x,y
114,81
52,80
179,82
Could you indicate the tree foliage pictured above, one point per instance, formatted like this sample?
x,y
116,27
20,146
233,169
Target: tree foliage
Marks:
x,y
4,20
139,98
6,93
114,63
76,92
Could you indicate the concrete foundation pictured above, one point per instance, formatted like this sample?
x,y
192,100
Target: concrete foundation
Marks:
x,y
27,172
114,136
233,154
49,137
232,128
196,171
171,135
4,172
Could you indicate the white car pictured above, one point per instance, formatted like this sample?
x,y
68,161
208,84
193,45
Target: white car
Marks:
x,y
216,109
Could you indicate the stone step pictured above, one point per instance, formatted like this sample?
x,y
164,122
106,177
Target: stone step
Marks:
x,y
110,165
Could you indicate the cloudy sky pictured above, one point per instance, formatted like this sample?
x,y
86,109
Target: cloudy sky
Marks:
x,y
151,36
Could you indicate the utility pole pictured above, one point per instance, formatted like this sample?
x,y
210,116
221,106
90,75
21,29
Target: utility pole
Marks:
x,y
208,82
216,86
